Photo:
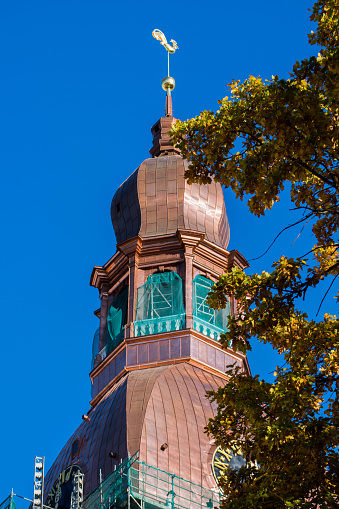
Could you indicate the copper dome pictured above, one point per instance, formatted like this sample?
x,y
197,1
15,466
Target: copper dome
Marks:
x,y
157,200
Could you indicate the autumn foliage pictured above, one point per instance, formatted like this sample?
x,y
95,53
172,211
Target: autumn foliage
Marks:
x,y
267,134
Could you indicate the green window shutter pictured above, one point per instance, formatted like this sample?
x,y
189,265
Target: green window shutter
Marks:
x,y
116,321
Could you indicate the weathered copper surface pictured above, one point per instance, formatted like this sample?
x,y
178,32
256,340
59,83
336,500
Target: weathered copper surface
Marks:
x,y
165,348
143,410
176,413
157,200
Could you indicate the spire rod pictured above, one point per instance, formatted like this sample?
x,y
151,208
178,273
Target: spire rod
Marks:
x,y
169,106
168,83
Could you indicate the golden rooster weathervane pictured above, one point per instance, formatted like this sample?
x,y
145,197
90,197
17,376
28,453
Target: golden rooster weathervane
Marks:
x,y
167,83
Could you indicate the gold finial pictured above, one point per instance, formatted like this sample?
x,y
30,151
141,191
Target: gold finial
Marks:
x,y
167,83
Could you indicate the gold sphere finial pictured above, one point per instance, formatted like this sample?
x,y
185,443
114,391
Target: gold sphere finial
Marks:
x,y
168,83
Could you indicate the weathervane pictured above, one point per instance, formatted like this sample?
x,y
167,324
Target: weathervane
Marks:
x,y
167,83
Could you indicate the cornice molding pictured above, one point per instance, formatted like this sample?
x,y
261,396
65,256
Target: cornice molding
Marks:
x,y
126,370
237,259
190,238
131,246
102,275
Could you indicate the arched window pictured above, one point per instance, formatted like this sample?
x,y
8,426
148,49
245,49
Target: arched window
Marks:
x,y
160,304
116,320
211,322
75,448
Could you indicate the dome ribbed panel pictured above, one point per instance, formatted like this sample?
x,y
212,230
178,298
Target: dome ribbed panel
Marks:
x,y
161,194
125,209
177,413
205,212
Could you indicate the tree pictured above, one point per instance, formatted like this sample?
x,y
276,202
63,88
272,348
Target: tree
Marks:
x,y
266,135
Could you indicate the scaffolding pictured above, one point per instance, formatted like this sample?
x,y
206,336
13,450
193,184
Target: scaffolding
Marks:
x,y
134,484
160,304
210,322
8,503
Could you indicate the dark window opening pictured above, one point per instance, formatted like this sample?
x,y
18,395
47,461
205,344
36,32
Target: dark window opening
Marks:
x,y
75,448
118,208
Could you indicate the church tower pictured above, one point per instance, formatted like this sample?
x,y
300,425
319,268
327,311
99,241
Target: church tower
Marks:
x,y
156,351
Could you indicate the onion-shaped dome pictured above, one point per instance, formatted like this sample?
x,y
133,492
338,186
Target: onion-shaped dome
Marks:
x,y
157,200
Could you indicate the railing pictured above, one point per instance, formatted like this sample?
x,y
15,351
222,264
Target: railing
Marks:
x,y
149,487
175,322
207,328
156,325
158,488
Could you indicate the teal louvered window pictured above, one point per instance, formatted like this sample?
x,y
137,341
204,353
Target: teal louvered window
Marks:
x,y
208,321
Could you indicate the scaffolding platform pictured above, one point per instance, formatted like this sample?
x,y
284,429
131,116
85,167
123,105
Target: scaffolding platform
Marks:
x,y
135,484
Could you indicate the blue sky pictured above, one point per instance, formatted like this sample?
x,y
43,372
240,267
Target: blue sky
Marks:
x,y
79,92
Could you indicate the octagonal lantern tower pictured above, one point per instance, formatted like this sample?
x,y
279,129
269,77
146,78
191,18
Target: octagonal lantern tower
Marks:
x,y
156,352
